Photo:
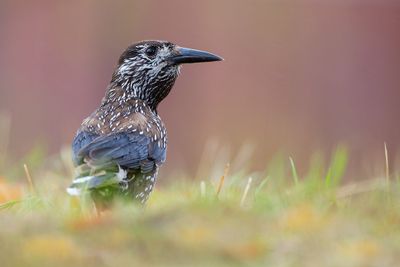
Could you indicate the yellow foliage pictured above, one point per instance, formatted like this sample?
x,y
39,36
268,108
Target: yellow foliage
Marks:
x,y
118,237
87,223
361,249
247,250
49,248
301,218
195,234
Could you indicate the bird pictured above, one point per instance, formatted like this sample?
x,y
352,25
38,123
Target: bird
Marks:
x,y
118,150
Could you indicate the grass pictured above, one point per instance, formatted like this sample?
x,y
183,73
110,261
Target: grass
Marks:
x,y
237,218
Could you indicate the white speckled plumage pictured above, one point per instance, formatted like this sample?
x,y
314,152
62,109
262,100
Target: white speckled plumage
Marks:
x,y
122,144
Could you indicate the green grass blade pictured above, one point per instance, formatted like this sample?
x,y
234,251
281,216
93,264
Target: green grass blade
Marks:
x,y
294,171
337,166
9,204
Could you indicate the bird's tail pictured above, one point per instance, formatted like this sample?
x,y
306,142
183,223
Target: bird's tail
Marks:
x,y
86,184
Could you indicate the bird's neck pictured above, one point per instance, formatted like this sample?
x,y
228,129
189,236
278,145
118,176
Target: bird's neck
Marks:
x,y
118,96
123,91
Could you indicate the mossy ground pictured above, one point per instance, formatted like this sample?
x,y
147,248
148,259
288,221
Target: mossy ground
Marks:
x,y
276,218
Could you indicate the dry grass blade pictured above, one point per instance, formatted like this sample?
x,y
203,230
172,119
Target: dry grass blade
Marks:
x,y
221,180
30,180
246,191
386,164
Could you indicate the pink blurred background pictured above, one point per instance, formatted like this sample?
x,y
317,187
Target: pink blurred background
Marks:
x,y
298,75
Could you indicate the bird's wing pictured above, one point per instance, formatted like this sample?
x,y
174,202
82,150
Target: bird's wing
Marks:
x,y
130,150
82,139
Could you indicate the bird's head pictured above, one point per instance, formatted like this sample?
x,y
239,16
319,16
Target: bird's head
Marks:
x,y
148,70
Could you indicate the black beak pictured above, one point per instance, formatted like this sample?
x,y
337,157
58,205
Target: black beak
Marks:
x,y
188,55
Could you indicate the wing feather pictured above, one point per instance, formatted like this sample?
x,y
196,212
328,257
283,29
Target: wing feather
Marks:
x,y
127,149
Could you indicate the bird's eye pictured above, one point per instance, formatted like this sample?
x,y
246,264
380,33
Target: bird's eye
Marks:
x,y
151,51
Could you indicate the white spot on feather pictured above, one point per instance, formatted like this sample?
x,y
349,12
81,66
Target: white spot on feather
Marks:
x,y
121,174
73,191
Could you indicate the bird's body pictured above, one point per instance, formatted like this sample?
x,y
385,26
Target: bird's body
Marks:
x,y
119,148
137,135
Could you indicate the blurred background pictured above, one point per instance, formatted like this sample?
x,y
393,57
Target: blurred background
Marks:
x,y
299,76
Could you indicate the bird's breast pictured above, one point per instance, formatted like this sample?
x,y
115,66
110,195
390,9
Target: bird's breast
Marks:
x,y
133,116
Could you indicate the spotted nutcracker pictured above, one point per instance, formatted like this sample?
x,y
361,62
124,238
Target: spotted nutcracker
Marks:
x,y
118,149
